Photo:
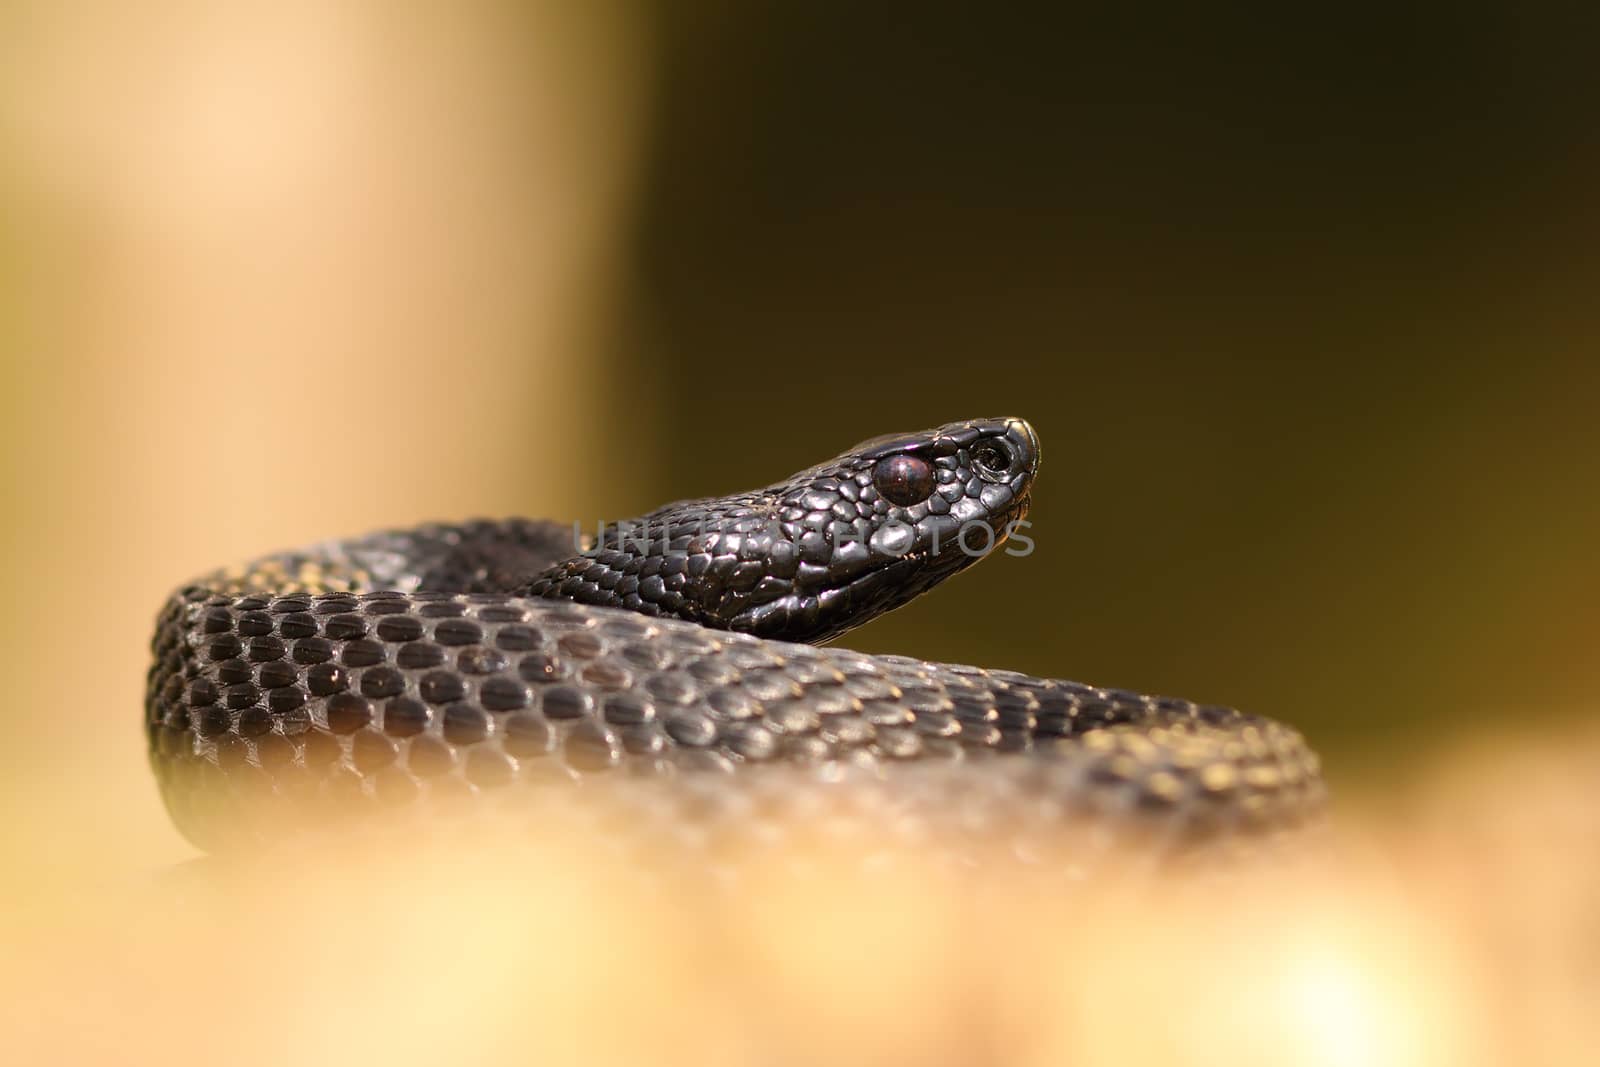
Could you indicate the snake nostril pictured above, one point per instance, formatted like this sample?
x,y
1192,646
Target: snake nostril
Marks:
x,y
993,460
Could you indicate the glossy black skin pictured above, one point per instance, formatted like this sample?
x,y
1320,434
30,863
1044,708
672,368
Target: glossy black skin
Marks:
x,y
816,554
407,670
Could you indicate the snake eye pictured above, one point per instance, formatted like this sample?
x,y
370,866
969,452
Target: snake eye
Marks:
x,y
993,460
903,479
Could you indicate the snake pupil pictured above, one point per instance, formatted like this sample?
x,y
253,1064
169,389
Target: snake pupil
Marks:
x,y
903,480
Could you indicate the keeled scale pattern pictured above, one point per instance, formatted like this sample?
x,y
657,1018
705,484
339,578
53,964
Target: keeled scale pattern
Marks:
x,y
265,711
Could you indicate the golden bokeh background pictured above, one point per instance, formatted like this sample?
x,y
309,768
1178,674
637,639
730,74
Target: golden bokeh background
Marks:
x,y
1302,309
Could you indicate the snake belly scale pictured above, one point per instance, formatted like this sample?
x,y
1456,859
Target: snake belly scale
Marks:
x,y
680,655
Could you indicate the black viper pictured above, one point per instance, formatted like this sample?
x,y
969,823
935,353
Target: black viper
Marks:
x,y
676,658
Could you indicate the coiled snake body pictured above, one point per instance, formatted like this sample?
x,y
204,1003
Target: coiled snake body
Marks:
x,y
678,655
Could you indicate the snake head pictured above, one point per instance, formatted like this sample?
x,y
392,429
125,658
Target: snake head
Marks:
x,y
824,550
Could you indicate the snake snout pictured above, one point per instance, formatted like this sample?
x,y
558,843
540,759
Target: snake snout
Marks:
x,y
1022,434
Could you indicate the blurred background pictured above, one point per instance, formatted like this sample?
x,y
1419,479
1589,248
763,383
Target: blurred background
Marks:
x,y
1301,305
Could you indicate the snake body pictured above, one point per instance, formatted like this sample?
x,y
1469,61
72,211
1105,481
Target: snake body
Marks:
x,y
679,657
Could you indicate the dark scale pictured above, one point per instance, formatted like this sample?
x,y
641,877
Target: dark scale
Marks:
x,y
347,713
363,653
381,682
454,660
441,687
313,650
504,693
399,628
404,717
465,724
418,655
284,699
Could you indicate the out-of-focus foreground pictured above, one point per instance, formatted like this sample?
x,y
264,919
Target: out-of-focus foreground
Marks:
x,y
1408,942
1302,314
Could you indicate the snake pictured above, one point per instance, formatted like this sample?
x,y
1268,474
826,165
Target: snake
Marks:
x,y
680,660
